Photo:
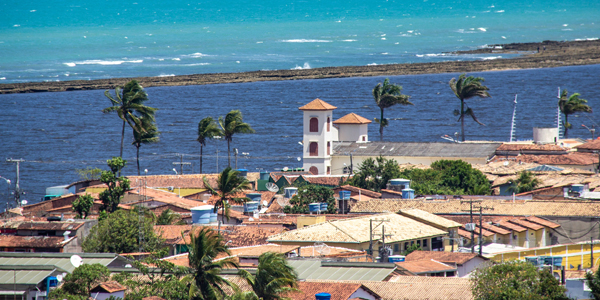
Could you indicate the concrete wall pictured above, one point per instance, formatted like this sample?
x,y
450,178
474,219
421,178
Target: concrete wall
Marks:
x,y
353,132
573,229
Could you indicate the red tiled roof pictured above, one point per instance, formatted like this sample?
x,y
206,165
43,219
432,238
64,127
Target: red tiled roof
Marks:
x,y
543,222
317,104
338,291
56,226
458,258
526,224
325,180
11,241
593,145
177,181
572,158
239,235
512,226
109,286
168,198
352,118
495,229
535,147
425,266
464,233
363,192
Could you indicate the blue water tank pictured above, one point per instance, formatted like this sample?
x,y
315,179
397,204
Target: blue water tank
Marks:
x,y
400,182
314,207
323,206
323,296
577,188
408,194
201,214
213,216
264,175
250,206
345,195
243,172
254,196
290,191
396,258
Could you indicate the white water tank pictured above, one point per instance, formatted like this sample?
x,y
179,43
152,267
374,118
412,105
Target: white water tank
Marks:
x,y
545,135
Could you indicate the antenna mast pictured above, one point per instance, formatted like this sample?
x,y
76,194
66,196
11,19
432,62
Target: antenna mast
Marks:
x,y
558,122
513,123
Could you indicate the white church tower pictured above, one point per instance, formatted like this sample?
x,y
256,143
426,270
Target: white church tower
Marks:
x,y
318,137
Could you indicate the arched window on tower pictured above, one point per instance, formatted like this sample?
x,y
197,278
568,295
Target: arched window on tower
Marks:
x,y
328,123
313,170
313,148
314,124
328,148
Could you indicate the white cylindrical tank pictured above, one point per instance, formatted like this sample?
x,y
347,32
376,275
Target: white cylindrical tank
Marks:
x,y
545,135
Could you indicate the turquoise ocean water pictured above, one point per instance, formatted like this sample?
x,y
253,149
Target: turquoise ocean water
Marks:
x,y
65,40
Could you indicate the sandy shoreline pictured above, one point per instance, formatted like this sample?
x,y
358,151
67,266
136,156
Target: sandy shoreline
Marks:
x,y
557,54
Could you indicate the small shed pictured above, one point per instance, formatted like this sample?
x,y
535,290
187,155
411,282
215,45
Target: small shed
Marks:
x,y
107,289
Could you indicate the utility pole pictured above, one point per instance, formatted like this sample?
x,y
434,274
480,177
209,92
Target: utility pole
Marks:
x,y
217,160
235,153
351,171
371,234
471,213
481,208
181,163
18,191
592,251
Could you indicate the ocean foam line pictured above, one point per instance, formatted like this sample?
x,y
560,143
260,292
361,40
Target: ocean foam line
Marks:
x,y
490,57
102,62
196,55
305,67
305,41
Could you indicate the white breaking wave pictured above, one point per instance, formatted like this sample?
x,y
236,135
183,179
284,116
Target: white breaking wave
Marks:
x,y
348,40
372,64
176,58
500,11
166,75
196,55
2,78
430,55
306,66
491,57
305,41
103,62
482,29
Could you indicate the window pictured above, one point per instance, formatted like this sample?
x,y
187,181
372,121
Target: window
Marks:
x,y
419,243
364,138
314,124
313,170
424,243
406,246
396,247
314,149
328,170
329,150
328,124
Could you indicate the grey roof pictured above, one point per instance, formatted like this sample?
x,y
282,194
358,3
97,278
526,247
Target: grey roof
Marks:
x,y
316,270
59,260
24,275
545,168
476,150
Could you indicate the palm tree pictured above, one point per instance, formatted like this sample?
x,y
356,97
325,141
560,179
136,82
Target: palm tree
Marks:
x,y
388,95
207,129
204,248
274,277
231,124
465,88
144,133
229,183
129,105
571,105
525,183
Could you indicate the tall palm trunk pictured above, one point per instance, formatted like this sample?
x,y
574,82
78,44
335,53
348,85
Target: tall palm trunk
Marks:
x,y
201,159
565,125
122,138
381,126
228,155
138,158
462,119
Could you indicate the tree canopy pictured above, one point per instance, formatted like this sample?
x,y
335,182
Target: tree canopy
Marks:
x,y
465,88
593,282
83,205
374,174
119,233
569,105
116,186
515,280
229,183
311,194
387,95
274,277
77,285
231,124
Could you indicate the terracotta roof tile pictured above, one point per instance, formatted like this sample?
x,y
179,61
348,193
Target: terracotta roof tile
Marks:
x,y
421,215
352,118
592,145
543,222
529,147
239,235
458,258
572,158
512,226
109,286
526,224
11,241
338,291
56,226
363,192
425,266
167,197
317,104
177,181
495,229
325,180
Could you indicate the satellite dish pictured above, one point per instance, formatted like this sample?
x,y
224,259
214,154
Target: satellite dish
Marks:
x,y
298,158
76,261
23,202
272,187
59,277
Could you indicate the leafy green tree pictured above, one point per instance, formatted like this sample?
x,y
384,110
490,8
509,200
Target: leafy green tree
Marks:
x,y
128,103
89,173
116,186
593,282
204,248
167,217
207,129
274,277
82,206
412,248
144,133
525,183
229,183
465,88
386,96
460,175
243,296
119,233
374,174
83,279
231,124
571,104
515,280
311,194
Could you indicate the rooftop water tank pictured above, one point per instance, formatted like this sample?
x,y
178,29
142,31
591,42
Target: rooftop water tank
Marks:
x,y
290,191
345,195
264,175
323,296
578,188
250,206
396,258
408,194
314,207
398,184
243,172
201,214
213,216
254,196
545,135
323,206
